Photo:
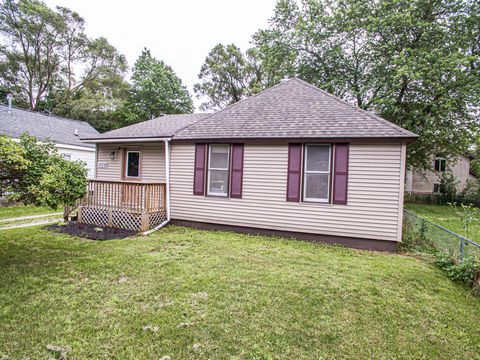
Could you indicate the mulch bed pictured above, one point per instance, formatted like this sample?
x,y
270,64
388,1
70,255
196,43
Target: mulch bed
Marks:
x,y
91,232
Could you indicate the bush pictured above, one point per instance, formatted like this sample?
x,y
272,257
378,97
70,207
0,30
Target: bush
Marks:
x,y
448,184
466,271
33,172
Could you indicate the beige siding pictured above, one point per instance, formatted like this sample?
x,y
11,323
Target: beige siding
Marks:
x,y
374,194
152,161
424,182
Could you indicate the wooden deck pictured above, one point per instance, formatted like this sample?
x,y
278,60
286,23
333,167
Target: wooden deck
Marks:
x,y
122,204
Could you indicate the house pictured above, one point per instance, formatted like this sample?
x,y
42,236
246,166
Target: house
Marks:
x,y
292,160
66,133
419,182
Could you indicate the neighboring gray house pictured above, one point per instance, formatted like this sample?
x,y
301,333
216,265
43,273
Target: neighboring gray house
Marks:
x,y
429,181
66,133
292,160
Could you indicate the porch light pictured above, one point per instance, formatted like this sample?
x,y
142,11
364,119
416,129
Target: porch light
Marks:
x,y
112,154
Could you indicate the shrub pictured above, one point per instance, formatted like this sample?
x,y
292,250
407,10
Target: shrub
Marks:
x,y
448,184
35,173
466,271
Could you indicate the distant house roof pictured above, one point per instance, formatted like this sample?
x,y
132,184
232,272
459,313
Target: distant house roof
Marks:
x,y
163,126
292,109
43,126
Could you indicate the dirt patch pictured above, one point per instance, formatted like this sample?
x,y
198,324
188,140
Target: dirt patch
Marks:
x,y
91,232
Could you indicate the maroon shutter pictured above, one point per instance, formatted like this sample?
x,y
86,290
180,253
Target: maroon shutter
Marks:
x,y
199,170
237,171
294,172
340,175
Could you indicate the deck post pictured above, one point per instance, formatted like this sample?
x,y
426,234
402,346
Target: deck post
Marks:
x,y
144,221
110,221
80,220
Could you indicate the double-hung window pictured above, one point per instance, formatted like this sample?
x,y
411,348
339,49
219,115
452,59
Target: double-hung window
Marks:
x,y
218,169
440,164
316,177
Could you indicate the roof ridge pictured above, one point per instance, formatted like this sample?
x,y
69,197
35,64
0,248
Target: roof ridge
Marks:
x,y
235,103
45,114
360,110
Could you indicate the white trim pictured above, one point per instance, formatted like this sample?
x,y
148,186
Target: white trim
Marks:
x,y
305,172
75,147
218,169
139,164
66,146
124,140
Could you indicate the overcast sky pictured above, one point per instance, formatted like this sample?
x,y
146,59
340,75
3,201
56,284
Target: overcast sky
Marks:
x,y
179,32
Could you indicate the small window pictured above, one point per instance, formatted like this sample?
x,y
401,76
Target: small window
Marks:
x,y
218,169
436,188
132,168
66,156
316,178
440,164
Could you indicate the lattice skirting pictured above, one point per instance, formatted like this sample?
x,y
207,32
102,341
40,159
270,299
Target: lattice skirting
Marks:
x,y
121,219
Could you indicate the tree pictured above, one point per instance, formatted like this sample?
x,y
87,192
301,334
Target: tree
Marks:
x,y
228,76
156,90
415,63
46,54
14,164
100,103
34,173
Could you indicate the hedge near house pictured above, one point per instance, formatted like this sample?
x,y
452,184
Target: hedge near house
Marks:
x,y
34,173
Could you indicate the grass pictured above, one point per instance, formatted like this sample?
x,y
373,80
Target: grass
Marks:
x,y
7,212
447,217
212,295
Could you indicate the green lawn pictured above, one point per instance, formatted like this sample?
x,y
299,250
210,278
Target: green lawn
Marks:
x,y
445,216
199,294
27,210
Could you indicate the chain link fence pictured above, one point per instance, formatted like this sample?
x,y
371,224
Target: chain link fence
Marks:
x,y
434,237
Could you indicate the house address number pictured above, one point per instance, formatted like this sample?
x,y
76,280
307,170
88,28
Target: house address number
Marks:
x,y
102,165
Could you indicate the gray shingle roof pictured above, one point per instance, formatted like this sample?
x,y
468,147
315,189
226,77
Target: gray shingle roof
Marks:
x,y
292,109
164,126
42,126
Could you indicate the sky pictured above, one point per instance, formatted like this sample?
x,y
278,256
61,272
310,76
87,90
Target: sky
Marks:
x,y
179,32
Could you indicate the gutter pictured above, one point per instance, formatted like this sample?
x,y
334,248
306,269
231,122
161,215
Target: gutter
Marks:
x,y
123,140
167,189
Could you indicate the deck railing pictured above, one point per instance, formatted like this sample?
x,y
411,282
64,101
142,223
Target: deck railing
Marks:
x,y
123,204
129,196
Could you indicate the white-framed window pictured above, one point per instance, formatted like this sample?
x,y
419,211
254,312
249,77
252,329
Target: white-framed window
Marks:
x,y
66,156
218,169
132,164
436,188
316,172
440,164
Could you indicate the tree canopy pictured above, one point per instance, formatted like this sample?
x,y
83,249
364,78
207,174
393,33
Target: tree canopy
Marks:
x,y
227,76
49,64
48,56
415,63
156,90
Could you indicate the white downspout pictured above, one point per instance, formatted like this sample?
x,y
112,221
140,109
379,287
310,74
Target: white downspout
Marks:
x,y
167,177
167,189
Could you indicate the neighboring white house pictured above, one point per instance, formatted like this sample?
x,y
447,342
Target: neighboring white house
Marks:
x,y
66,133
